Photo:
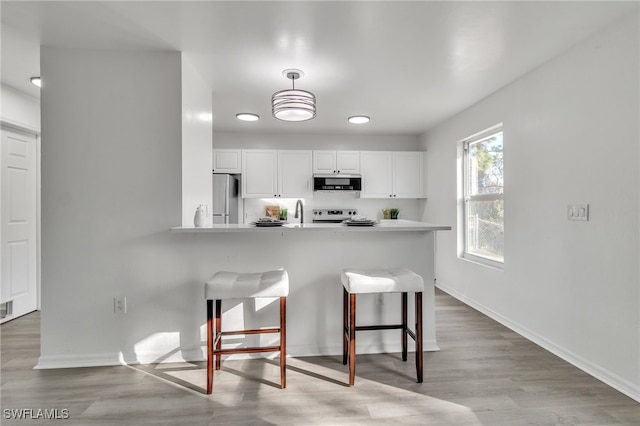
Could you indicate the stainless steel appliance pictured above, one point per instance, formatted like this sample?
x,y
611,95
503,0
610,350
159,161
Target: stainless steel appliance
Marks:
x,y
332,215
225,199
337,182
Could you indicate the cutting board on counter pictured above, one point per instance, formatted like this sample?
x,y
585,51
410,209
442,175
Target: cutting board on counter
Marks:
x,y
273,212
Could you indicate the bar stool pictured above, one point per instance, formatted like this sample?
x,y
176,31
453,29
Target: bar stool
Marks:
x,y
233,285
392,280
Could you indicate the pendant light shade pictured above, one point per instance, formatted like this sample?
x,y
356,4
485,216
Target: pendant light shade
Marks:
x,y
293,104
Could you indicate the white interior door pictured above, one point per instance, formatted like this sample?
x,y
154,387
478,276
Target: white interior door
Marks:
x,y
18,290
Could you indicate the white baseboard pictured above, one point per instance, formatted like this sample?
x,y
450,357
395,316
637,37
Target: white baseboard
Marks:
x,y
196,355
72,361
117,358
611,379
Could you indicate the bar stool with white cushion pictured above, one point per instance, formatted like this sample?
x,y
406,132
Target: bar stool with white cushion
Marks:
x,y
233,285
390,280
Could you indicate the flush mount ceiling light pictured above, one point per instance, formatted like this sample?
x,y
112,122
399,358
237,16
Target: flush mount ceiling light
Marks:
x,y
247,116
36,81
293,104
358,119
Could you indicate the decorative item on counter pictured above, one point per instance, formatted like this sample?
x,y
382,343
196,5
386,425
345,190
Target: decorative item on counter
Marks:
x,y
200,218
283,214
394,213
385,214
273,212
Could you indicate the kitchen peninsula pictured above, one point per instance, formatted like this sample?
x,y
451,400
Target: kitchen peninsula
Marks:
x,y
314,254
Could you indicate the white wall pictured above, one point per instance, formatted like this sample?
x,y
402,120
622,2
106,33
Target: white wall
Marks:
x,y
197,132
571,136
111,179
355,141
19,109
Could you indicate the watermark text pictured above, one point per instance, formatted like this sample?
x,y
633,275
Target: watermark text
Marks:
x,y
35,413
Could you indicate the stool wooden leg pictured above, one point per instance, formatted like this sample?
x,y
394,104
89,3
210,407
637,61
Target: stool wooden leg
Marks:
x,y
419,336
283,342
345,326
209,346
404,326
218,331
352,339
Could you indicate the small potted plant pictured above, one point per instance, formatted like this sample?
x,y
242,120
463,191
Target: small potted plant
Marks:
x,y
394,213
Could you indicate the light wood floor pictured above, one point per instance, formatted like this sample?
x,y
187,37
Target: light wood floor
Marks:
x,y
484,374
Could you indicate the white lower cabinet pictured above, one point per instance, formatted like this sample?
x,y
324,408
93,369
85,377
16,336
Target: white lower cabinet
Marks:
x,y
392,174
274,174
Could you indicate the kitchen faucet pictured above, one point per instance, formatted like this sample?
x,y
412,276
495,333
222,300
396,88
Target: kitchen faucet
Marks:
x,y
299,205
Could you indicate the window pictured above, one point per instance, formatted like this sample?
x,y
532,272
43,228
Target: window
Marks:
x,y
483,207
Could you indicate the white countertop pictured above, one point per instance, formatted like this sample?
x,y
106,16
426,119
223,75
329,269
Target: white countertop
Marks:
x,y
383,226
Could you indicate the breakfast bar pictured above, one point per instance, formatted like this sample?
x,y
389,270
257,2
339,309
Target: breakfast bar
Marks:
x,y
381,226
314,255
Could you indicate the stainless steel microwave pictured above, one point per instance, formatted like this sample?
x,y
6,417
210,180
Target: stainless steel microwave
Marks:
x,y
337,182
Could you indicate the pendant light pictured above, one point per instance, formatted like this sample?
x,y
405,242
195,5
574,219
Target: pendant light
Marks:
x,y
293,104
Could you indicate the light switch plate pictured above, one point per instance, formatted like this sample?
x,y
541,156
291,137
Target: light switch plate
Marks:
x,y
578,212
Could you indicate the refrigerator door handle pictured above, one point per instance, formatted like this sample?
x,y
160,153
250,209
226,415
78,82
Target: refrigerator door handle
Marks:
x,y
227,184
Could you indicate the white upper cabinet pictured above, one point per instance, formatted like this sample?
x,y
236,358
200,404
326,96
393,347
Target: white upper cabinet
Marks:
x,y
408,175
227,161
324,162
294,174
392,174
376,174
271,174
348,161
259,173
330,162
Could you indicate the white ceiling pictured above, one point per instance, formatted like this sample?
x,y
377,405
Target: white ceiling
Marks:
x,y
408,65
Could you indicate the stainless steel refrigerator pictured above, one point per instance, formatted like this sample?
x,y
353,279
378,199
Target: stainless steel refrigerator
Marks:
x,y
225,199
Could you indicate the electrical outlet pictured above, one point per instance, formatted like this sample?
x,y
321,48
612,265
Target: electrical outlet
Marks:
x,y
380,299
578,212
120,305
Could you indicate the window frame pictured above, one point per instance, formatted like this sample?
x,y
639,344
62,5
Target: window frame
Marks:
x,y
466,198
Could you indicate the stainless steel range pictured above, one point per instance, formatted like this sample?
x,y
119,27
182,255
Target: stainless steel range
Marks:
x,y
332,215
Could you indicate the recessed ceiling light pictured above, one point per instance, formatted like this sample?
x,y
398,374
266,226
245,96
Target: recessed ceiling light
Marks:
x,y
247,116
358,119
36,81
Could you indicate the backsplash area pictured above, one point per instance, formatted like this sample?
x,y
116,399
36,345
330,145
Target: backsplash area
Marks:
x,y
255,208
